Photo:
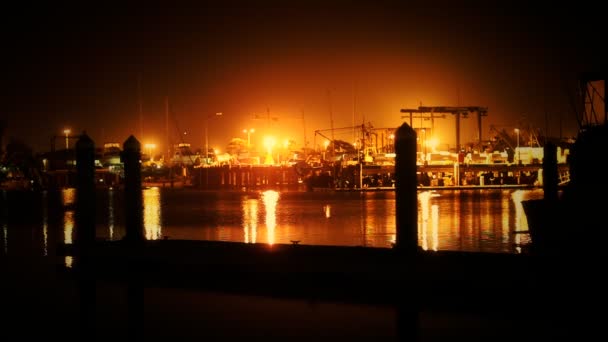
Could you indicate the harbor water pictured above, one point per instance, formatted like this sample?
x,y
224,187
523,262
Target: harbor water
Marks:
x,y
476,220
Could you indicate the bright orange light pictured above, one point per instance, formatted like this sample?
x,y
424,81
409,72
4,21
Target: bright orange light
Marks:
x,y
433,143
269,143
270,199
150,147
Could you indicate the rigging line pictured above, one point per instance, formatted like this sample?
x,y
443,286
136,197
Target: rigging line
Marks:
x,y
593,114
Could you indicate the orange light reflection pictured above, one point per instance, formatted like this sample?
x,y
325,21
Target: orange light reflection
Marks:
x,y
270,199
152,219
250,220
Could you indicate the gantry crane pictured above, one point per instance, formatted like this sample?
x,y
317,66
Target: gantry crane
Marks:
x,y
458,112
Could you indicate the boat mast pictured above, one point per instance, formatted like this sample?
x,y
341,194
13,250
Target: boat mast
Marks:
x,y
331,122
167,129
304,130
140,105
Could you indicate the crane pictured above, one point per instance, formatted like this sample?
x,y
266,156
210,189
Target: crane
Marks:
x,y
458,112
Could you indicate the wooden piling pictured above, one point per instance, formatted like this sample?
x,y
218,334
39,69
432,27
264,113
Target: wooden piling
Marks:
x,y
406,190
134,236
550,176
407,232
133,192
84,239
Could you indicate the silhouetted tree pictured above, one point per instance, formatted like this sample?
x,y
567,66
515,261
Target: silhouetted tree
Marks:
x,y
20,156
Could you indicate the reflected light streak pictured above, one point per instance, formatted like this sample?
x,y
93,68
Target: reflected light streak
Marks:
x,y
327,210
424,198
456,220
4,213
69,261
45,225
368,221
505,219
435,227
152,212
68,227
111,214
521,221
485,224
470,223
5,237
270,199
250,220
68,231
391,224
68,196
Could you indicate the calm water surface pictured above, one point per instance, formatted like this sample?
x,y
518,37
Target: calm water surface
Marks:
x,y
461,220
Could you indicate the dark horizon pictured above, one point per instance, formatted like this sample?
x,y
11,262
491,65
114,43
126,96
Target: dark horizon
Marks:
x,y
79,68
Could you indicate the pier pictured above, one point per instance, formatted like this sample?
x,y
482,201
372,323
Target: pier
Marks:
x,y
461,176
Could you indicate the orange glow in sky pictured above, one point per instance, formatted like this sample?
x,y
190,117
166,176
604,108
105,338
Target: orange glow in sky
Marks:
x,y
284,69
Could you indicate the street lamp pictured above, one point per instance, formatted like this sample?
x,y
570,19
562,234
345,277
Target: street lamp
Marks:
x,y
248,132
67,132
269,143
518,151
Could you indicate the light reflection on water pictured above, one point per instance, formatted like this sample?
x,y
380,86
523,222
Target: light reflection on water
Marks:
x,y
250,220
469,220
270,199
111,214
5,237
68,200
152,214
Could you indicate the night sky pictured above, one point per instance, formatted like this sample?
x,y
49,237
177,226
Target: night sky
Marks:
x,y
78,67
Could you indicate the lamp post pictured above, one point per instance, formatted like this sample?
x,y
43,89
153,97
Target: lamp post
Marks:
x,y
248,132
67,132
518,151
